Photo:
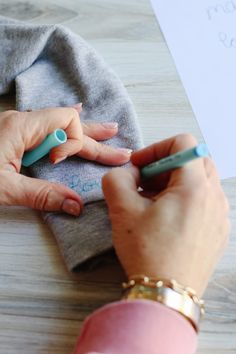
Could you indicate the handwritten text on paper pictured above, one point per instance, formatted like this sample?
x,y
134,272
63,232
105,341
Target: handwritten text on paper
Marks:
x,y
225,8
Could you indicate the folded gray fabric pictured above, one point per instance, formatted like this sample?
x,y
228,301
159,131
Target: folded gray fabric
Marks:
x,y
50,66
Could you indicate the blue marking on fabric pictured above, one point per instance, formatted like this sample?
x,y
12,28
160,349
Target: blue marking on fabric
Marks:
x,y
83,187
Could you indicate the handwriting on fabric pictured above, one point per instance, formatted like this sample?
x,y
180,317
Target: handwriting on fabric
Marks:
x,y
83,187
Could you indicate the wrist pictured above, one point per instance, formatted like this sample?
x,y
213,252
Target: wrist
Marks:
x,y
169,293
166,271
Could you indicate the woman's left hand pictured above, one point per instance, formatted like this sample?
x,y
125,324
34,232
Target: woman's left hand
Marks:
x,y
21,131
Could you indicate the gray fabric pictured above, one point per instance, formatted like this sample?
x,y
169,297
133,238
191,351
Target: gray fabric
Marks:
x,y
50,66
93,233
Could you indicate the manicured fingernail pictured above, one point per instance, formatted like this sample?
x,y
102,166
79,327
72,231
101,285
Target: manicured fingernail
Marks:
x,y
78,106
60,159
71,207
126,151
110,125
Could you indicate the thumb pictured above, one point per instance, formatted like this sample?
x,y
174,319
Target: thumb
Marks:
x,y
120,189
38,194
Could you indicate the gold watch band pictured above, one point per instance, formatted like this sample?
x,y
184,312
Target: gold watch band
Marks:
x,y
180,302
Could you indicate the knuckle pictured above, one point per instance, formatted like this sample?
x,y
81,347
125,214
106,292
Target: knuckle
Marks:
x,y
104,147
186,139
40,200
110,177
224,201
100,150
73,113
86,126
208,163
10,120
211,169
97,151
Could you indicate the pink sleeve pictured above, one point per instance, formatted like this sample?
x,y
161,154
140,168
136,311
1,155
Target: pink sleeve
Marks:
x,y
136,326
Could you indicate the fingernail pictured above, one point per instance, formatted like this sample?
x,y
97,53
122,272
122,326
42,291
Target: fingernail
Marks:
x,y
78,106
126,151
110,125
71,207
60,159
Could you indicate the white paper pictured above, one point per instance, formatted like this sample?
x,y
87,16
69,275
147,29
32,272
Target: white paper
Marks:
x,y
201,35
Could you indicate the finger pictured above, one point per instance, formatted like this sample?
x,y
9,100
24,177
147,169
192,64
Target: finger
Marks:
x,y
105,154
38,124
90,150
100,131
211,170
120,189
225,202
38,194
151,154
78,107
215,183
192,172
61,152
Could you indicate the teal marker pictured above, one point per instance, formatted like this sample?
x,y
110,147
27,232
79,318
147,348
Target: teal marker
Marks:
x,y
174,161
55,139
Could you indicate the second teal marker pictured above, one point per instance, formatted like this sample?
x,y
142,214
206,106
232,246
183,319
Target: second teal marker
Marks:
x,y
54,139
174,161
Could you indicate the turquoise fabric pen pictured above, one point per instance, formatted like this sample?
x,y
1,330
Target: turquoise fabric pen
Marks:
x,y
174,161
54,139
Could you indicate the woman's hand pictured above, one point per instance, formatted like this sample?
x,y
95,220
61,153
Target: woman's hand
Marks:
x,y
177,228
21,131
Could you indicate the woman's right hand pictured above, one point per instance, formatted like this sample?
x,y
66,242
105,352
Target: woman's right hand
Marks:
x,y
178,227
